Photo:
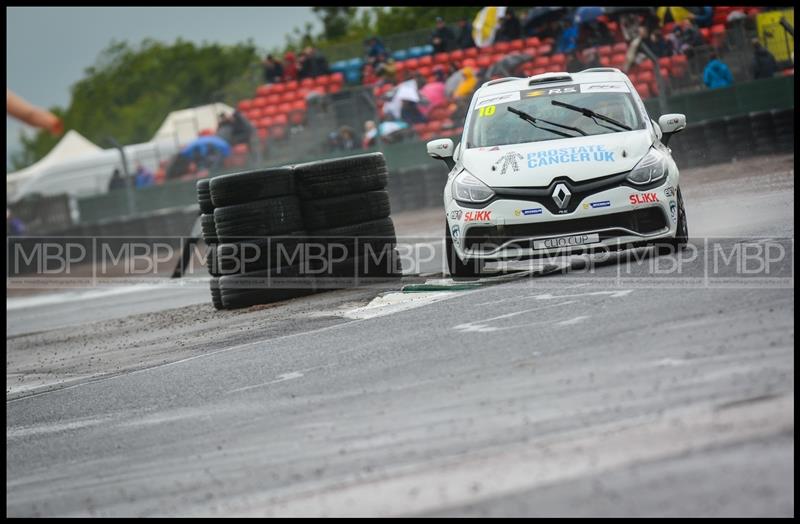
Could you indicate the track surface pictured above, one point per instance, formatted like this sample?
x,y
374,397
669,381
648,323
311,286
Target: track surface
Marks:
x,y
567,394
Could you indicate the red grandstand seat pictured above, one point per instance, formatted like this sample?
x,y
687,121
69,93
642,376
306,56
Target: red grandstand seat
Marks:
x,y
240,149
260,102
618,59
281,118
425,70
323,80
679,65
471,52
426,60
264,122
338,77
539,71
401,66
502,47
517,45
664,61
441,58
278,88
307,82
427,136
277,132
664,72
274,99
269,110
613,27
288,97
263,134
469,62
297,117
646,77
255,114
558,60
646,65
604,50
420,128
545,49
668,28
244,105
706,32
456,55
484,61
788,72
605,61
532,41
531,51
620,47
541,61
412,63
717,34
497,57
292,85
262,90
284,108
299,105
334,88
643,90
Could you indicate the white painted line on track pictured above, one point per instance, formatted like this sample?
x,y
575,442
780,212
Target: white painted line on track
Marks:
x,y
281,378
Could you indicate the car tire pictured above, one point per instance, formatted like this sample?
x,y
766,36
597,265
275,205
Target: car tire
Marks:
x,y
204,196
469,269
216,294
241,188
345,210
261,253
341,176
261,218
208,228
264,287
681,238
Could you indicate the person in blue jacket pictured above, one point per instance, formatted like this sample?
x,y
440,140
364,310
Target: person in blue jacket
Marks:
x,y
717,74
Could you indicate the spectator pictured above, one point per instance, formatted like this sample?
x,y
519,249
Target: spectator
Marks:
x,y
687,37
116,182
567,40
464,38
467,85
289,66
593,33
225,127
375,48
273,70
510,28
764,65
581,60
703,16
442,38
14,226
658,44
433,93
716,74
143,177
634,53
344,139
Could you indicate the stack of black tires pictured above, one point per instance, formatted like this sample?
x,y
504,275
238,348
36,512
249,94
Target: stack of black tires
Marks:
x,y
280,233
346,213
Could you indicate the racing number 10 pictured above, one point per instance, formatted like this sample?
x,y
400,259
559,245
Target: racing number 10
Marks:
x,y
486,111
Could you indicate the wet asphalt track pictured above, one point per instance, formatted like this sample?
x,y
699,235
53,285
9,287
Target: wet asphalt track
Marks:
x,y
569,394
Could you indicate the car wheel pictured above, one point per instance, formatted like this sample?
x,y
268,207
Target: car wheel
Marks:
x,y
471,268
681,238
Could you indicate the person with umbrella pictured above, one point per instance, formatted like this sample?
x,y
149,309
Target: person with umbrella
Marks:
x,y
464,38
207,151
543,22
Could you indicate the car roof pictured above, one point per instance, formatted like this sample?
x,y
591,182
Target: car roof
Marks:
x,y
598,74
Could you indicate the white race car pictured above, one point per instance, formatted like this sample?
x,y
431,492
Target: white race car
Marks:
x,y
559,163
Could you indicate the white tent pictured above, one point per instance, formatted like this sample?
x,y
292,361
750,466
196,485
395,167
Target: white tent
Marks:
x,y
72,145
185,124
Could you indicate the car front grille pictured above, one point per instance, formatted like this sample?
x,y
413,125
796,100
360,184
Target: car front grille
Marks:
x,y
642,221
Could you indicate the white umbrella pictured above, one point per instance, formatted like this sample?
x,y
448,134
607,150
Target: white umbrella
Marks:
x,y
486,24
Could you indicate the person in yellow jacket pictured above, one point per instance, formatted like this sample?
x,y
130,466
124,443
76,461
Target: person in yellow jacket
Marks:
x,y
467,86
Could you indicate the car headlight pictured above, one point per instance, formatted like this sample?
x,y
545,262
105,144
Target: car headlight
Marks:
x,y
467,188
649,169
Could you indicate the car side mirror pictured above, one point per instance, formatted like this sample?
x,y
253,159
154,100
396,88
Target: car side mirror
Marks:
x,y
671,124
442,149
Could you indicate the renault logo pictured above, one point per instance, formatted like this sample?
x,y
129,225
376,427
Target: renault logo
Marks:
x,y
561,196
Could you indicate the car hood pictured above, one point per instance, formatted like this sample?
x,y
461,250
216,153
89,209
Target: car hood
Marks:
x,y
537,164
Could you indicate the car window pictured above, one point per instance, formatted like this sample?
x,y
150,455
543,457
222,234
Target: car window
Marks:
x,y
492,124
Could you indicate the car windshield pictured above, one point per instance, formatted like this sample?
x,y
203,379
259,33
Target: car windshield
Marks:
x,y
492,124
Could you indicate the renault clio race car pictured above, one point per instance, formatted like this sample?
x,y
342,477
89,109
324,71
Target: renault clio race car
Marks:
x,y
556,164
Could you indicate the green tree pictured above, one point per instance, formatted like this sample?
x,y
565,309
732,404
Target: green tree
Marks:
x,y
129,90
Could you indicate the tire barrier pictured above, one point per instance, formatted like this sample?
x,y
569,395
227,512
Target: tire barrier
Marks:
x,y
734,137
286,232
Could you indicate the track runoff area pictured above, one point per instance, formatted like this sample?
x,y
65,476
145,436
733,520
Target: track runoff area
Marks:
x,y
620,384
